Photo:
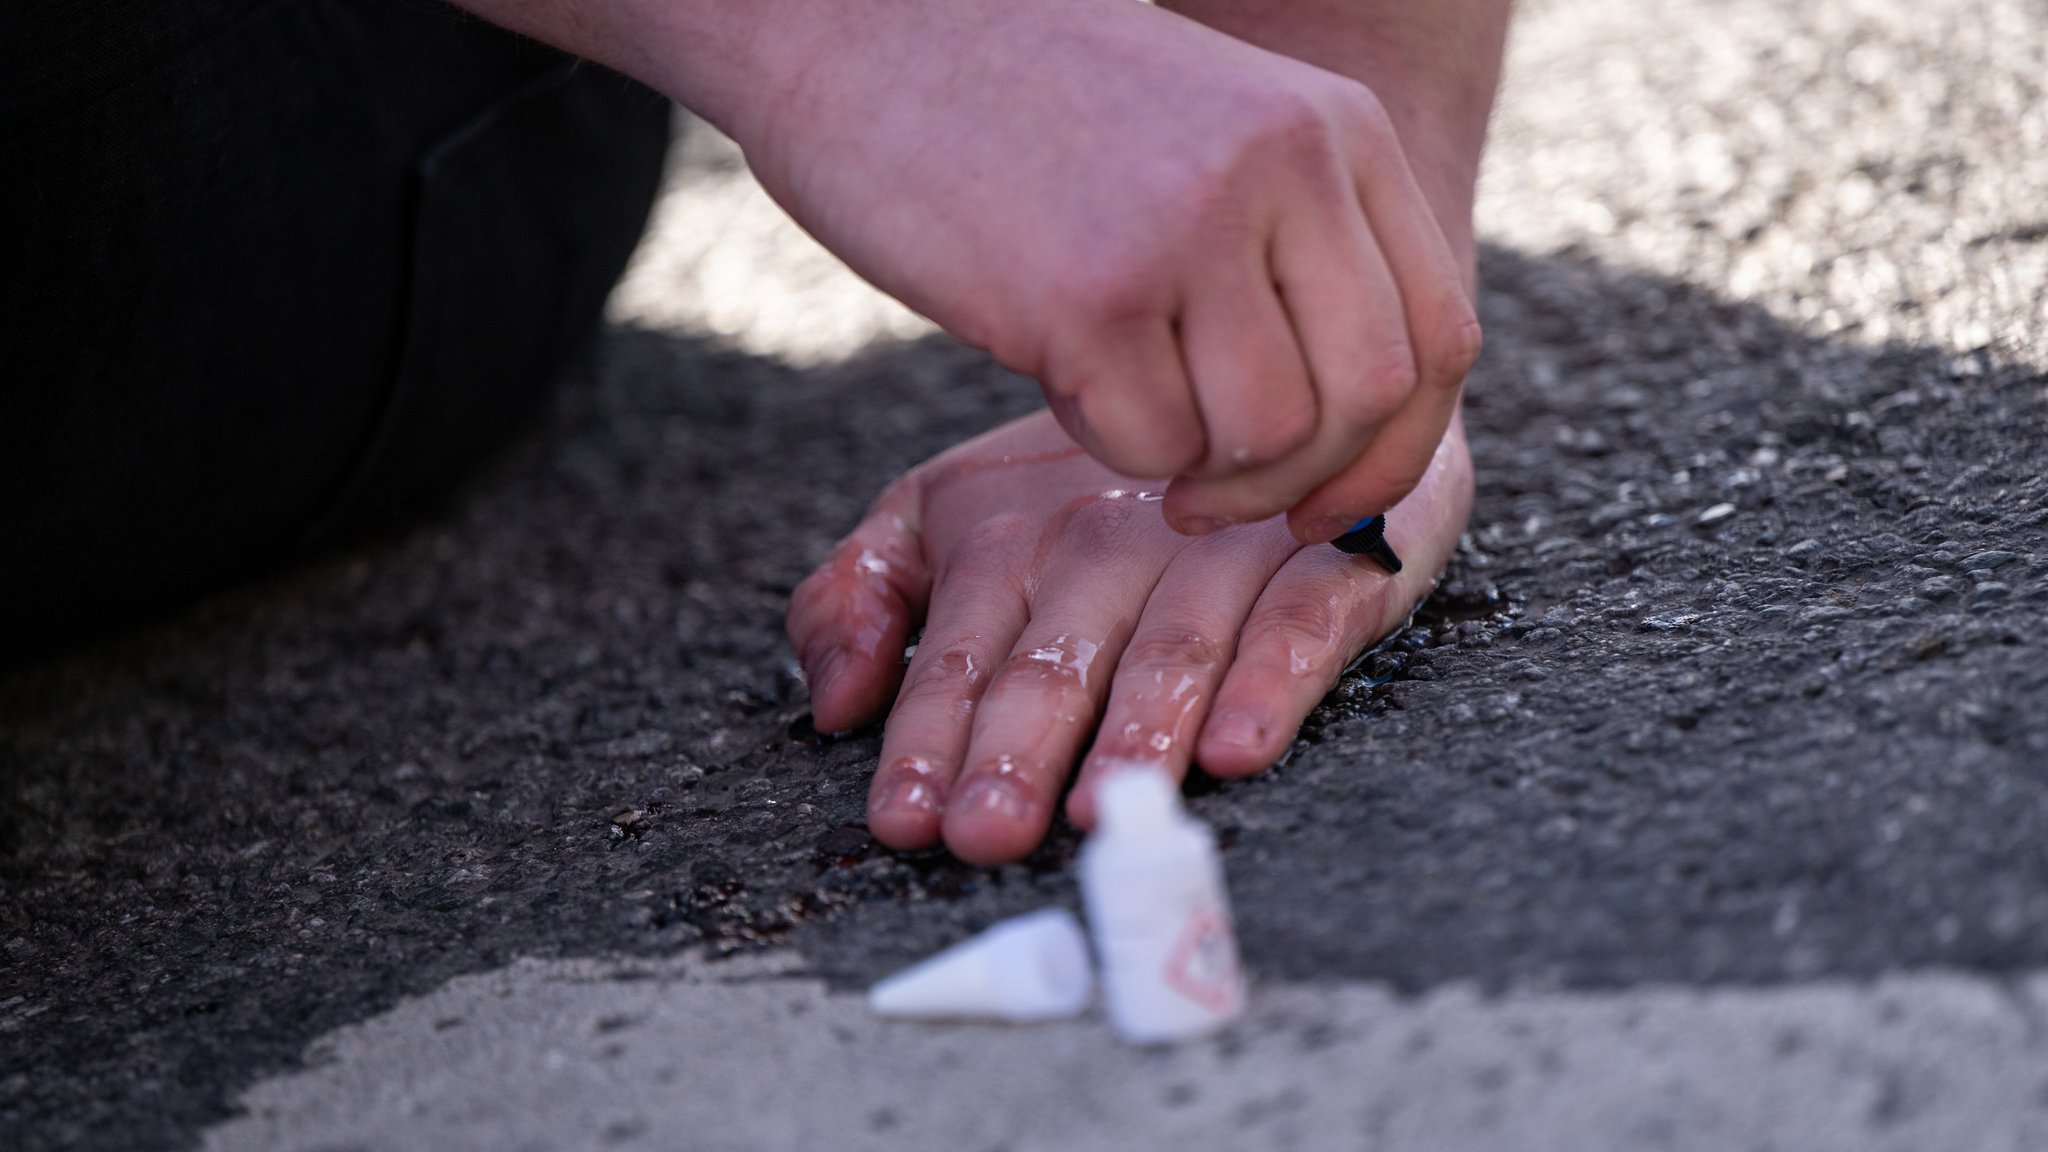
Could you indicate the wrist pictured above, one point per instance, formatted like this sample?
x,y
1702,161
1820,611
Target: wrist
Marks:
x,y
722,60
1433,67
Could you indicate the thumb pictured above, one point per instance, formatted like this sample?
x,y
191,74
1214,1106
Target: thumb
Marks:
x,y
850,619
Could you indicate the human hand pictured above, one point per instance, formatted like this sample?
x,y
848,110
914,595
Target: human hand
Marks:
x,y
1215,258
1053,598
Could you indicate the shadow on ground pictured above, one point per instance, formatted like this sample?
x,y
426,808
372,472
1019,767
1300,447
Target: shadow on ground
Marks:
x,y
1736,680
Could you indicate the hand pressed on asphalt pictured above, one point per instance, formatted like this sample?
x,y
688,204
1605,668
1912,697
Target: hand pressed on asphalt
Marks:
x,y
1056,601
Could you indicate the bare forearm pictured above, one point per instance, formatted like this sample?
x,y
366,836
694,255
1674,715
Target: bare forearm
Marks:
x,y
1433,65
721,58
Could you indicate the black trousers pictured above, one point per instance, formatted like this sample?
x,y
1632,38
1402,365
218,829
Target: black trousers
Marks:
x,y
272,270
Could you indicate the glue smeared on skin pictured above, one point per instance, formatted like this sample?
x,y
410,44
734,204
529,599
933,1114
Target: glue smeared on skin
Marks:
x,y
912,783
1166,712
1323,658
873,571
1067,654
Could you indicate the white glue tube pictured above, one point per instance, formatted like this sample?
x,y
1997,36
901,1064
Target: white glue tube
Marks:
x,y
1153,887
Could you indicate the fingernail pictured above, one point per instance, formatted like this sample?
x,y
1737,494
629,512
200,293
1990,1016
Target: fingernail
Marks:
x,y
997,797
912,795
821,669
1237,730
1202,525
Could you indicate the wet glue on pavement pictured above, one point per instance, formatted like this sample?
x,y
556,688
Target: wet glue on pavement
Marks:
x,y
1153,888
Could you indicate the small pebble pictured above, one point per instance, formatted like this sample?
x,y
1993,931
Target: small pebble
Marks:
x,y
1938,588
1715,515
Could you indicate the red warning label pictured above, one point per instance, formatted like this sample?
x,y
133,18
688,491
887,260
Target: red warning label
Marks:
x,y
1203,963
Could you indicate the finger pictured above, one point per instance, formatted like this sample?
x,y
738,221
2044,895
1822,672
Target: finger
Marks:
x,y
1118,387
978,608
1046,696
1170,670
1323,609
849,619
1384,474
1344,311
1443,331
1248,375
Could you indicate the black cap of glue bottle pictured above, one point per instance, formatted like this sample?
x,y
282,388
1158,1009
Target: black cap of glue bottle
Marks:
x,y
1368,538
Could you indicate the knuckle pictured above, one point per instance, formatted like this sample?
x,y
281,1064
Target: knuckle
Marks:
x,y
1296,123
1211,195
956,670
1292,117
988,560
1394,373
1454,345
1293,627
1383,389
1114,289
990,545
1095,529
1218,214
1366,116
1158,651
1267,433
1043,674
1026,667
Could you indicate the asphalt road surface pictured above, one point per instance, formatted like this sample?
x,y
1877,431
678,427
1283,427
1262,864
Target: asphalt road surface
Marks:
x,y
1702,806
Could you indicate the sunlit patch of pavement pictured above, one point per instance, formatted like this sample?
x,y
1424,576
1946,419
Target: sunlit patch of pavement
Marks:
x,y
755,1055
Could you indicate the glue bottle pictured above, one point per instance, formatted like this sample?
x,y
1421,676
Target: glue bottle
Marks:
x,y
1153,888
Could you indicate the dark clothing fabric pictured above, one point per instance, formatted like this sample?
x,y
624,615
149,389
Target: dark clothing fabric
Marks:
x,y
271,270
